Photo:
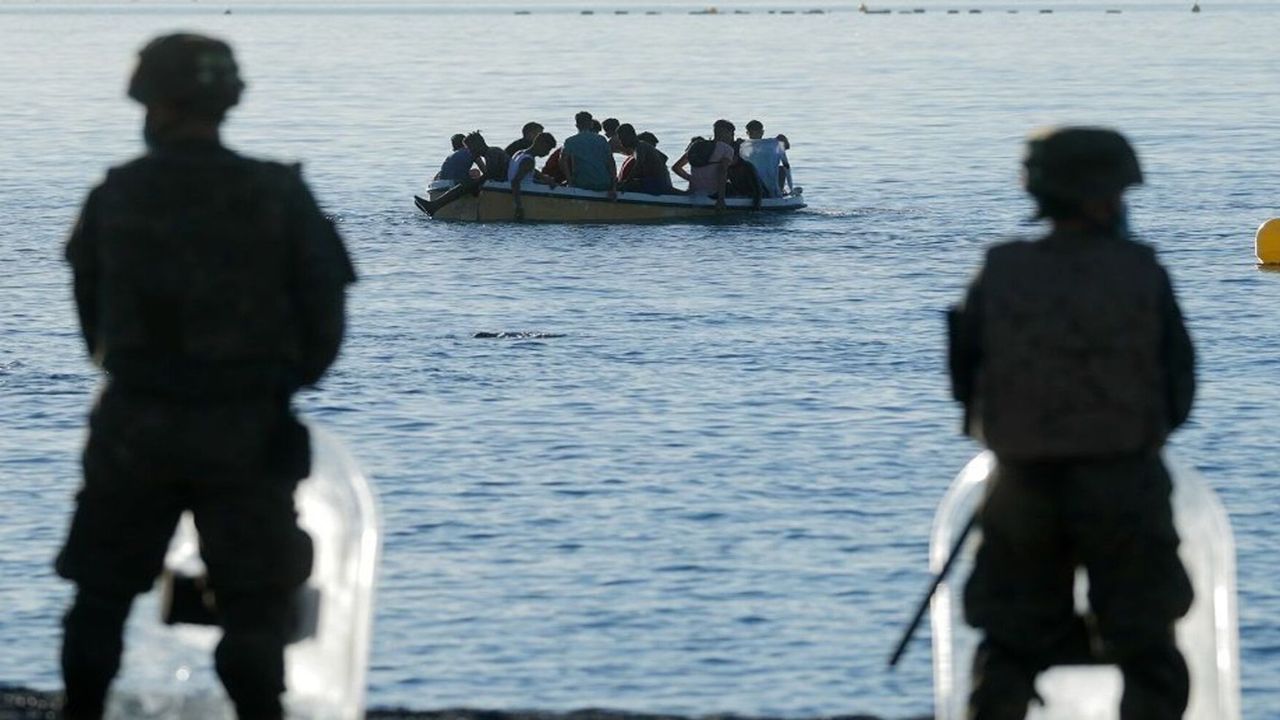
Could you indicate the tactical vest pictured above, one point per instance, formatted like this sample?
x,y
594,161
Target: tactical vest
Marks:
x,y
1071,349
195,256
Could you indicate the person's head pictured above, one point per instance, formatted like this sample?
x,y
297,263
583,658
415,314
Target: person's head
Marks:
x,y
627,137
610,126
185,81
786,144
1080,174
583,120
543,144
723,130
595,126
457,141
755,129
648,137
475,143
530,130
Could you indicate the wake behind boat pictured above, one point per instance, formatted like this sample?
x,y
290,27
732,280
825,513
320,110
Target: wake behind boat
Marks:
x,y
562,204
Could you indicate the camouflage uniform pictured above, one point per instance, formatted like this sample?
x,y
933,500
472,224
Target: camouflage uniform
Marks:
x,y
209,288
1073,363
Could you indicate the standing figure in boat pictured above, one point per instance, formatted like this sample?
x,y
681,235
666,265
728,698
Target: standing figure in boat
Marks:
x,y
1070,356
210,288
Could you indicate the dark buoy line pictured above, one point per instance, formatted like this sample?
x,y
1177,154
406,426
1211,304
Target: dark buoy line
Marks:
x,y
862,8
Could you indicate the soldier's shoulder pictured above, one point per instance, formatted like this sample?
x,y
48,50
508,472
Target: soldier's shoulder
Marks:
x,y
127,170
1009,247
1140,249
284,173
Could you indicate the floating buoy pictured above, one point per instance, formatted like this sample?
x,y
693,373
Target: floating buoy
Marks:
x,y
1266,244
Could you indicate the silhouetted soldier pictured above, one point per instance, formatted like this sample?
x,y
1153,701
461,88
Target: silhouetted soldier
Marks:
x,y
1073,363
209,288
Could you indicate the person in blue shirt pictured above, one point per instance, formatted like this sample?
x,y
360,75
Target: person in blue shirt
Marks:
x,y
587,160
456,167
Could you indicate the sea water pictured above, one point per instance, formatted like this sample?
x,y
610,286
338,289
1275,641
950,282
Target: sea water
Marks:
x,y
709,487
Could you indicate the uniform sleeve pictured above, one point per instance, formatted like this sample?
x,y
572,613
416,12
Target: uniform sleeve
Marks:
x,y
1178,356
323,272
81,253
964,345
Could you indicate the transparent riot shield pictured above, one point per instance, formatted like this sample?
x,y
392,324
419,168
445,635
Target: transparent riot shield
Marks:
x,y
167,672
1207,635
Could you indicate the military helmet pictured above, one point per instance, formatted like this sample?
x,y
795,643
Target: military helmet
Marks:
x,y
1075,164
192,71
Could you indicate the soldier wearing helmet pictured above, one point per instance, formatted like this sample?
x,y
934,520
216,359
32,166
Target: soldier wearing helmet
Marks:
x,y
1070,356
210,288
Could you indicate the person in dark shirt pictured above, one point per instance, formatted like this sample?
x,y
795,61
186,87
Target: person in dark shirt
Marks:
x,y
492,161
645,169
525,141
1072,361
209,288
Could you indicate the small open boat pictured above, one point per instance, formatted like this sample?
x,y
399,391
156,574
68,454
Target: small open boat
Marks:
x,y
543,203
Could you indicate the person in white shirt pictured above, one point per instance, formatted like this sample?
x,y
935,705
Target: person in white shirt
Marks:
x,y
769,157
522,168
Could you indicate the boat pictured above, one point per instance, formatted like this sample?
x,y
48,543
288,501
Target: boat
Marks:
x,y
543,203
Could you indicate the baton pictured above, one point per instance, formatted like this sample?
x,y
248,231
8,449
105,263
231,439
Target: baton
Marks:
x,y
899,651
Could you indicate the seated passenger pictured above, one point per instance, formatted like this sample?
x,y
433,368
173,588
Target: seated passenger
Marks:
x,y
456,167
648,137
522,169
768,157
551,168
743,180
610,127
527,134
786,145
709,162
586,160
492,161
646,167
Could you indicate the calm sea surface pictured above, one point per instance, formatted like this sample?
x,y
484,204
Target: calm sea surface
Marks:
x,y
712,491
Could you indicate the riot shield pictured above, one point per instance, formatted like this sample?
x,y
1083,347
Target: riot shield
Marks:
x,y
1207,635
167,671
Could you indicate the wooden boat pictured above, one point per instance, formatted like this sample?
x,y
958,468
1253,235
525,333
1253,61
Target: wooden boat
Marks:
x,y
543,203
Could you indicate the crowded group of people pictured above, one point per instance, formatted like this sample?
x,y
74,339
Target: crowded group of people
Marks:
x,y
721,167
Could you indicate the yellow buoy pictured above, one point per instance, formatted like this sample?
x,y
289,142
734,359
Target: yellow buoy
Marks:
x,y
1266,244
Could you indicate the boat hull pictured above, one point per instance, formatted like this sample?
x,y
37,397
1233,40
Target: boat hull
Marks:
x,y
494,203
